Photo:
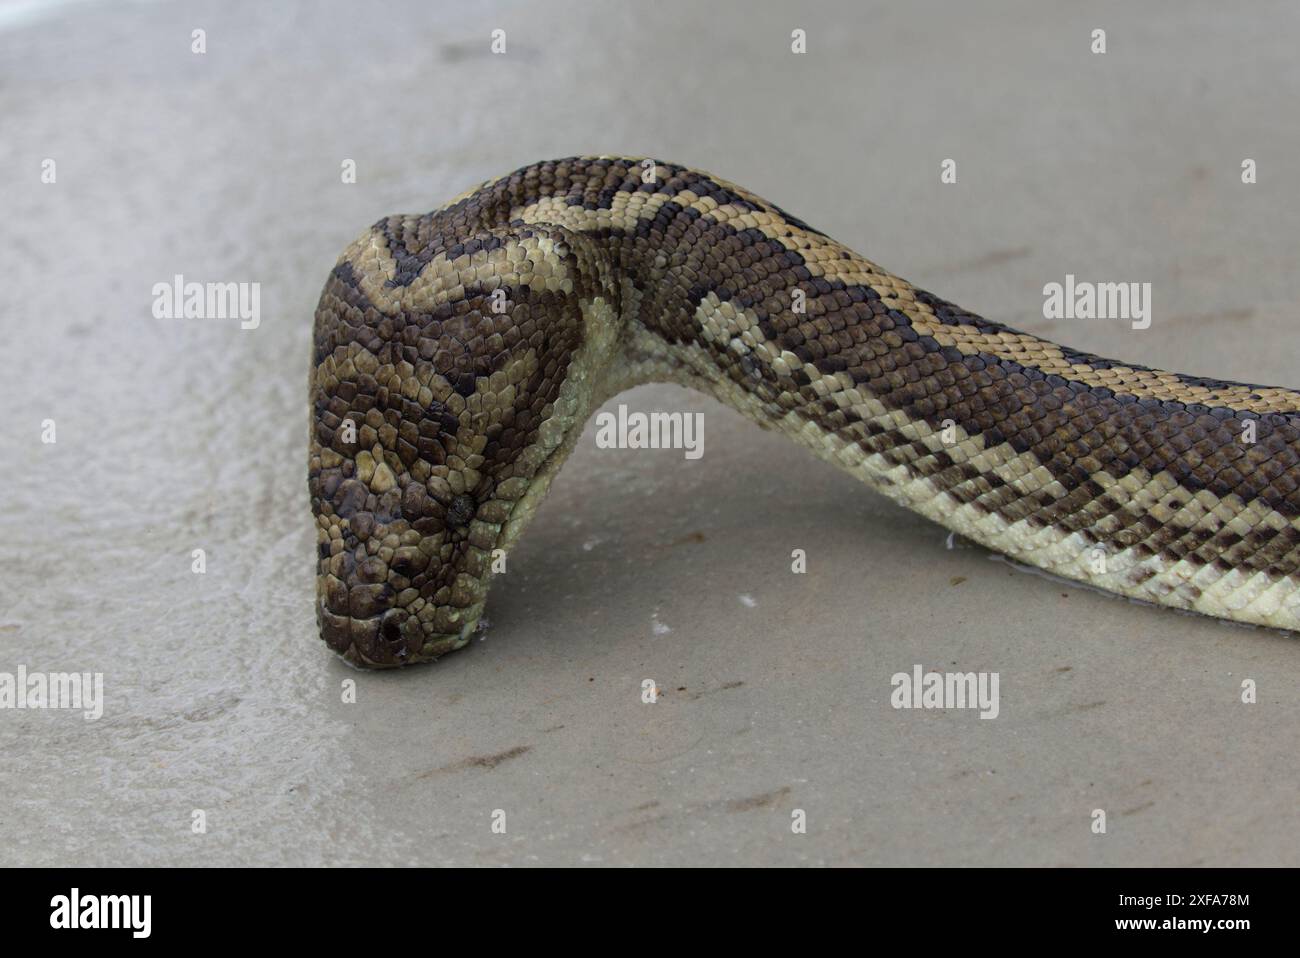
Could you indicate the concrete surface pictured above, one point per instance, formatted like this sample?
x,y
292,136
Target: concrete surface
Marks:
x,y
174,435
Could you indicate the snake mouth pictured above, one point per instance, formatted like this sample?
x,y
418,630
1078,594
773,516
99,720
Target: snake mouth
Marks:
x,y
391,638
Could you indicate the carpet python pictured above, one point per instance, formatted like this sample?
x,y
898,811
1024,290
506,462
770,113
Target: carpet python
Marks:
x,y
457,355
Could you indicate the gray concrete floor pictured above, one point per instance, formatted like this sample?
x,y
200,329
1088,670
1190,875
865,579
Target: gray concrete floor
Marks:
x,y
175,435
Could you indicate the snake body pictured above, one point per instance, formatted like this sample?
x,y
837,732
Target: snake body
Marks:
x,y
457,355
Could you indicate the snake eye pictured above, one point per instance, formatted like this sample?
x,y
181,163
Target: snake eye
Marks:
x,y
403,567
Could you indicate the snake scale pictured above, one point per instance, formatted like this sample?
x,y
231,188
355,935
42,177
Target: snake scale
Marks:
x,y
457,355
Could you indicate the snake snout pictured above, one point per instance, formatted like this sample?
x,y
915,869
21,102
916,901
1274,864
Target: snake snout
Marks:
x,y
363,624
358,611
370,587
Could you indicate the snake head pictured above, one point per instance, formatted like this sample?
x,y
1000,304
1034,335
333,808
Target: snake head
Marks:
x,y
440,410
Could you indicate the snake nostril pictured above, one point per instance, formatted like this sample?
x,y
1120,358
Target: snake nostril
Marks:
x,y
391,626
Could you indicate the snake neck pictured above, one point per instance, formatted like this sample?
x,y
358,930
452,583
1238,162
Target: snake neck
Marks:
x,y
1179,490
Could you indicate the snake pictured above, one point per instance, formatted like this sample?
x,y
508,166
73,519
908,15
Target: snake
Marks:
x,y
458,354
